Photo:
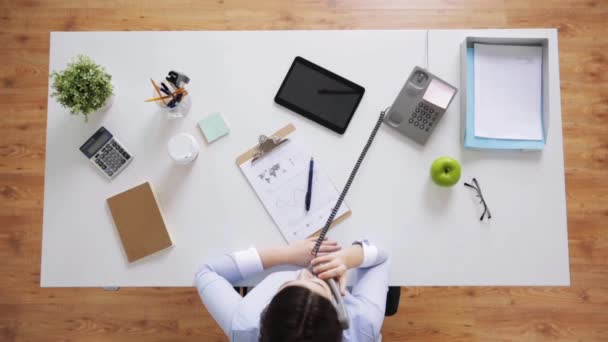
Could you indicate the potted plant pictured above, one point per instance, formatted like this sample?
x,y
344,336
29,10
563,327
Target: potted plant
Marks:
x,y
84,87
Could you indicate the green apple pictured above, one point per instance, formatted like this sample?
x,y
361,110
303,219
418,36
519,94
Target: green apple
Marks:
x,y
445,171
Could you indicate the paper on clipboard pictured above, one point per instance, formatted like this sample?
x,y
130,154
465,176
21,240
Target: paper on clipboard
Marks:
x,y
280,179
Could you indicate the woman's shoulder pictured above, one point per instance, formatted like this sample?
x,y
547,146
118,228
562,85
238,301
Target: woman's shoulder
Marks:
x,y
362,322
360,329
245,335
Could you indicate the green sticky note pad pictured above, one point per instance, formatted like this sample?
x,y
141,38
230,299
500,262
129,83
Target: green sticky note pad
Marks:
x,y
213,127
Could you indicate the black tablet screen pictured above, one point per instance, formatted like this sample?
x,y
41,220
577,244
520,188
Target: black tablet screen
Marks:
x,y
319,95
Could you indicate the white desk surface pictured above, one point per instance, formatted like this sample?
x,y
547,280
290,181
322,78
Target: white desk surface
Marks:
x,y
432,234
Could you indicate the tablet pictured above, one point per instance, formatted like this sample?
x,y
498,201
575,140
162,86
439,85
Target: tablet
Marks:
x,y
319,94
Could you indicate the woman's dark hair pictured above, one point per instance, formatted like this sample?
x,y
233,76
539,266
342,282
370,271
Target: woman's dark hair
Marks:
x,y
297,314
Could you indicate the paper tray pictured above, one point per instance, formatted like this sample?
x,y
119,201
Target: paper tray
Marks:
x,y
468,96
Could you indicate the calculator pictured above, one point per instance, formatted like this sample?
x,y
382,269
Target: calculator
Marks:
x,y
108,155
420,105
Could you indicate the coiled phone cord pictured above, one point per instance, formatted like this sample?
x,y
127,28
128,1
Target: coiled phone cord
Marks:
x,y
353,173
340,308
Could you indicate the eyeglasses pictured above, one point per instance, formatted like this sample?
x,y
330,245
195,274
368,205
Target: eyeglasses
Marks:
x,y
477,188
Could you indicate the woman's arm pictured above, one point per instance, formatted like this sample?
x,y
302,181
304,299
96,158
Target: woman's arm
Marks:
x,y
214,284
372,284
371,288
361,254
298,253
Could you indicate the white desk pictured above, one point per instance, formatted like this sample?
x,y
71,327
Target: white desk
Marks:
x,y
433,234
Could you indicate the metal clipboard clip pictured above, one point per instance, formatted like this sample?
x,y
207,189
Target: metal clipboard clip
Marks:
x,y
266,145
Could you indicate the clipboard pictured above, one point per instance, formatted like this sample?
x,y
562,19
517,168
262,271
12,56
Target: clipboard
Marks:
x,y
270,150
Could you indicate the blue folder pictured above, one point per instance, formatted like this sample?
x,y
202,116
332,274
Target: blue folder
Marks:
x,y
470,140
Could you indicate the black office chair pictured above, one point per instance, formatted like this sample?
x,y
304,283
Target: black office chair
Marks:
x,y
392,300
393,297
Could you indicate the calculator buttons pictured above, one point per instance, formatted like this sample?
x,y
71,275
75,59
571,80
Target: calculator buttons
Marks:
x,y
111,157
411,121
417,110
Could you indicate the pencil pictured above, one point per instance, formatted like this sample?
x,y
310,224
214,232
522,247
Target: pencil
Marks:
x,y
166,96
158,91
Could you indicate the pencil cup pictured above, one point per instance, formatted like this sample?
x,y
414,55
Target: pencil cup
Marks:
x,y
183,148
178,111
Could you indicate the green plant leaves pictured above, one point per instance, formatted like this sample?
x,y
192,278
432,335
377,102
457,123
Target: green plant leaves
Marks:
x,y
83,87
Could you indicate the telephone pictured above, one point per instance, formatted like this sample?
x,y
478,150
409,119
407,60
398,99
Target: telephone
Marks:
x,y
421,90
420,105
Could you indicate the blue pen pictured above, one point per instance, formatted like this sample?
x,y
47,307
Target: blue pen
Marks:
x,y
165,89
174,99
309,192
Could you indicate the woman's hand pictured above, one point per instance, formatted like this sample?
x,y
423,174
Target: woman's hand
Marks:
x,y
335,265
299,253
331,266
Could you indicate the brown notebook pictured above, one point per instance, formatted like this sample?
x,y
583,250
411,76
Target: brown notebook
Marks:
x,y
139,222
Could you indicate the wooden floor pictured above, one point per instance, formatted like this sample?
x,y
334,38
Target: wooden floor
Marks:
x,y
28,313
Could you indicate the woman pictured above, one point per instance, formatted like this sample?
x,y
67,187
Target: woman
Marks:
x,y
290,306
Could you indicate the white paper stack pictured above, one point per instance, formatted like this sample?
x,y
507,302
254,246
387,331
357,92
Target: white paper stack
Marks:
x,y
508,93
506,110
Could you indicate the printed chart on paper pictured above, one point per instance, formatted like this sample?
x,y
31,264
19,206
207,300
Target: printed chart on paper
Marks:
x,y
280,180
